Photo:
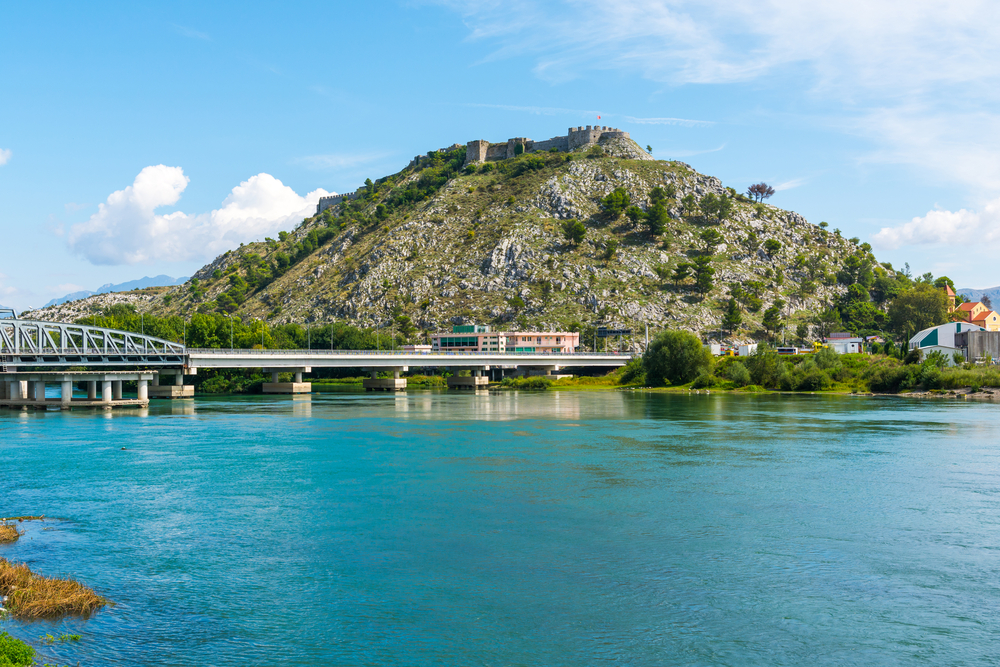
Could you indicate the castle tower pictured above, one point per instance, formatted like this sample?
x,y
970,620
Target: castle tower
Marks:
x,y
475,151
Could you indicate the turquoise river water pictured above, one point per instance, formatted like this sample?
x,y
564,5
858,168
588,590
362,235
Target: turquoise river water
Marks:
x,y
555,528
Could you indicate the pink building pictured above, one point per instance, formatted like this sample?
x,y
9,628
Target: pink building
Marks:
x,y
477,338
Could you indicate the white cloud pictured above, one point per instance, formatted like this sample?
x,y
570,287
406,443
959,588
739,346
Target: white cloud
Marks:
x,y
918,78
6,290
5,155
788,185
963,227
538,111
686,122
691,153
127,230
339,160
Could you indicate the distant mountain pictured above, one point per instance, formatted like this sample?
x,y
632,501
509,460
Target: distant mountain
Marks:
x,y
976,294
155,281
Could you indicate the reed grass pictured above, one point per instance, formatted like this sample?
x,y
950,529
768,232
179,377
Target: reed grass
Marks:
x,y
33,596
9,533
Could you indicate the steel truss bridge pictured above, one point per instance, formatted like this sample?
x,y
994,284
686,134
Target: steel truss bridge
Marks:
x,y
38,345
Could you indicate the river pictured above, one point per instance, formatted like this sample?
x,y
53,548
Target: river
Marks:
x,y
553,528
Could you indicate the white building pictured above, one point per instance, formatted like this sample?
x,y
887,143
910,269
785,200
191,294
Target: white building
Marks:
x,y
941,338
845,343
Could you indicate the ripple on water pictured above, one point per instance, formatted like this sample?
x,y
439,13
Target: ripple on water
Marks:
x,y
521,528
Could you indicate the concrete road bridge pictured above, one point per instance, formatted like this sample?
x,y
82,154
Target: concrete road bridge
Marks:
x,y
39,347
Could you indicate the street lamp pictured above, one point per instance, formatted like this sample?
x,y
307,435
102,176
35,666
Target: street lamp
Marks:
x,y
230,331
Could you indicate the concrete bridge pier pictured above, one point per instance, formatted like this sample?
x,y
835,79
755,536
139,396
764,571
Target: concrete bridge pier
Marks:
x,y
19,395
476,379
550,372
297,386
176,388
395,383
65,392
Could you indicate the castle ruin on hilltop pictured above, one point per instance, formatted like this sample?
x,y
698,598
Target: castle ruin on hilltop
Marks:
x,y
481,150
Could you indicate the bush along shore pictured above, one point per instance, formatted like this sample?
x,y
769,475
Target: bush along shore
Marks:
x,y
678,360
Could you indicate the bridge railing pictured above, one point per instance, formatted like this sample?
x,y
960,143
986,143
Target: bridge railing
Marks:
x,y
38,338
406,353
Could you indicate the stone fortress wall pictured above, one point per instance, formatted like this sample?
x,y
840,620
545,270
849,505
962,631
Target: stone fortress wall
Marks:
x,y
480,150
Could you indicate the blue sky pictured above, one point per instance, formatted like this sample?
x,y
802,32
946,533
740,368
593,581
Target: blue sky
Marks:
x,y
138,139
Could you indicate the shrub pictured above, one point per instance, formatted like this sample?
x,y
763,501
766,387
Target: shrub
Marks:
x,y
887,376
738,374
536,382
676,357
14,652
826,359
930,375
705,380
633,372
813,380
764,366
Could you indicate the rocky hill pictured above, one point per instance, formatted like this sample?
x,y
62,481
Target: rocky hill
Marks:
x,y
442,242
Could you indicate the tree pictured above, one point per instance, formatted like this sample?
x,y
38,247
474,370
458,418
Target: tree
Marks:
x,y
574,231
616,202
405,327
719,208
656,218
681,273
857,269
760,191
663,272
635,214
703,273
802,332
733,317
985,300
610,249
649,149
918,308
724,208
676,357
690,205
772,320
772,246
711,238
827,322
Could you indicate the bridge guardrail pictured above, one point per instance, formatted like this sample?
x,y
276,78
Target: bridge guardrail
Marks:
x,y
316,352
